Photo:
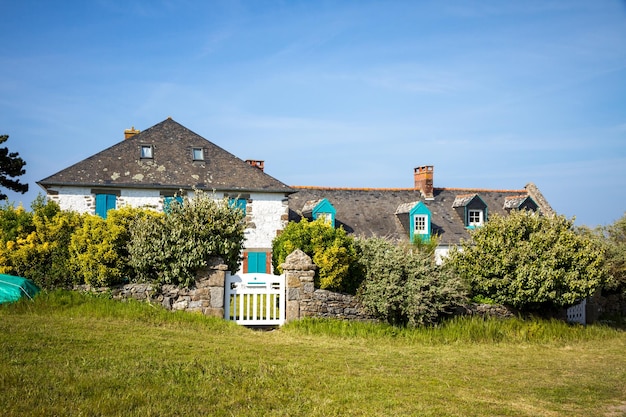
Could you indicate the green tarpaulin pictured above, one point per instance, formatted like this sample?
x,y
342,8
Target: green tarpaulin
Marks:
x,y
13,288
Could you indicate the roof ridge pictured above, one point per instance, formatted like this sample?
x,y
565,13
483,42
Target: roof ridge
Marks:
x,y
327,188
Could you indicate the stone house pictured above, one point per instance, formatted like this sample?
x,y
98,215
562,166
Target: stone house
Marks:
x,y
150,168
404,214
153,167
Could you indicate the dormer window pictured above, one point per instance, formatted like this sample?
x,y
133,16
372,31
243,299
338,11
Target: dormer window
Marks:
x,y
146,151
520,202
475,218
198,154
416,219
472,209
320,209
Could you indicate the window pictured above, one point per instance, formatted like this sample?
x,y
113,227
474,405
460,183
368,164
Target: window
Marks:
x,y
475,218
198,154
104,203
421,224
169,200
146,151
239,203
328,217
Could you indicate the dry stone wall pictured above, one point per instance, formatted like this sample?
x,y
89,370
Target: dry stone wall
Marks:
x,y
206,296
303,300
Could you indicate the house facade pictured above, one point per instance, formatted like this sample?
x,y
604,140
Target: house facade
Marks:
x,y
420,212
153,167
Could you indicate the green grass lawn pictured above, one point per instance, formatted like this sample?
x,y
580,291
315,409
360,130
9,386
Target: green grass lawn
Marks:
x,y
67,354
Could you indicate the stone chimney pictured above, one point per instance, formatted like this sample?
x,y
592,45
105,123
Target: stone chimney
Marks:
x,y
129,133
257,164
424,180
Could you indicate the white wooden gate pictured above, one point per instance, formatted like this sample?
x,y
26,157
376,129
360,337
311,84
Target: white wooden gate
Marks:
x,y
255,299
577,313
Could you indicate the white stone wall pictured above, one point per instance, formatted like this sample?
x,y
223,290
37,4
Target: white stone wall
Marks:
x,y
77,199
140,198
81,200
267,214
441,253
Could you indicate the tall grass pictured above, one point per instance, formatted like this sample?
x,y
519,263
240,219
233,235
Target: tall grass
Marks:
x,y
468,329
74,354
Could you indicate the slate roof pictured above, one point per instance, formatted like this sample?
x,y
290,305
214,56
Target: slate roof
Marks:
x,y
379,212
172,165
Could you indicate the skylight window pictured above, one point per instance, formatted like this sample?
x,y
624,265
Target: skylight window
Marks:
x,y
198,154
146,151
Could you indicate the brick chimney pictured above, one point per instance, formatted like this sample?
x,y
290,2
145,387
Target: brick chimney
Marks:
x,y
424,180
129,133
257,164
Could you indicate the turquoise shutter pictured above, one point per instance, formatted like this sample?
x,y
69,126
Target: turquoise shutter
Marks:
x,y
168,202
257,262
239,203
104,203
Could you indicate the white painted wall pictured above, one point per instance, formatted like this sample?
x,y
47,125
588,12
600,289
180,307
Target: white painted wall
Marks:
x,y
267,213
77,199
441,252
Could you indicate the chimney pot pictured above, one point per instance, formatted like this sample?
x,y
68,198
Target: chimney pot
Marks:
x,y
256,163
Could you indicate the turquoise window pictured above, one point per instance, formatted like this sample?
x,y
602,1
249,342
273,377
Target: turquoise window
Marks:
x,y
420,222
239,203
104,203
168,201
324,210
257,262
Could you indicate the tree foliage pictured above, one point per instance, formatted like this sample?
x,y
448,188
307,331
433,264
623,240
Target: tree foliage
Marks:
x,y
171,248
11,166
331,249
404,286
530,261
36,245
615,238
99,248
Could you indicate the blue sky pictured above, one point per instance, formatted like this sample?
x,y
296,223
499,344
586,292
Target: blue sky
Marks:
x,y
494,94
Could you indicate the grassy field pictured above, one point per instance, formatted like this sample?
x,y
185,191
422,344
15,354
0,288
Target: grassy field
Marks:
x,y
68,354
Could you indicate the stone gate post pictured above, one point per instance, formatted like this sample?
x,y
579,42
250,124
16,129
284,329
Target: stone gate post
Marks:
x,y
208,296
299,273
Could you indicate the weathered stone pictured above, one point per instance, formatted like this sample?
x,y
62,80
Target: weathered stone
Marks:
x,y
293,294
308,287
293,281
217,279
201,293
298,260
217,297
292,311
213,312
180,305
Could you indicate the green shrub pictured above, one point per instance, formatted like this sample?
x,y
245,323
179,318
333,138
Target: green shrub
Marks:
x,y
40,248
615,240
332,250
404,286
170,249
530,262
99,253
14,222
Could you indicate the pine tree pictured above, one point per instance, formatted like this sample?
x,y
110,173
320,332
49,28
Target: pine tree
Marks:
x,y
11,165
